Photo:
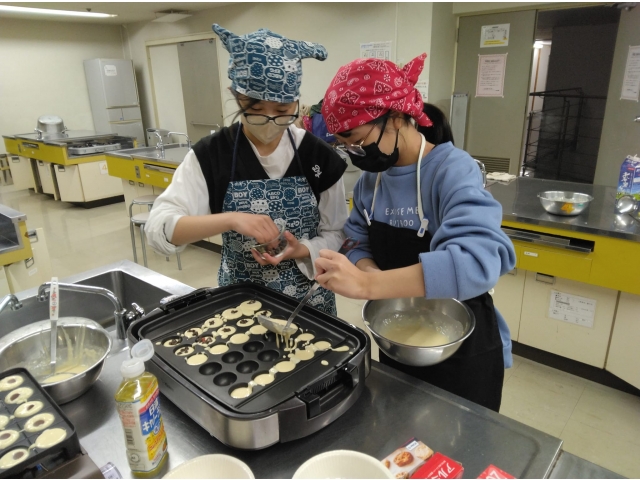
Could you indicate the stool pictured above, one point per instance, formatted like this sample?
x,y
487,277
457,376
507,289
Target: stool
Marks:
x,y
139,220
143,200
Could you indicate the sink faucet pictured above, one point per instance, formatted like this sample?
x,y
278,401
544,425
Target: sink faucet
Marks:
x,y
159,145
122,317
183,134
10,301
484,172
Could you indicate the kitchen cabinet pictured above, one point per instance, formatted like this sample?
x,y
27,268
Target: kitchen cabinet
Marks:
x,y
69,183
47,178
21,172
4,283
97,183
86,182
587,344
33,271
624,353
507,297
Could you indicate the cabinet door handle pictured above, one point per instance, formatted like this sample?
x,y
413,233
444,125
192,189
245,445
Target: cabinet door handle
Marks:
x,y
541,277
155,168
539,239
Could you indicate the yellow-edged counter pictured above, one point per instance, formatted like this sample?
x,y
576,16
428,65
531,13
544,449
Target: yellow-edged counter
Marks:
x,y
575,291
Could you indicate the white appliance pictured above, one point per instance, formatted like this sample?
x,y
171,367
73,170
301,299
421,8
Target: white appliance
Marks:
x,y
113,94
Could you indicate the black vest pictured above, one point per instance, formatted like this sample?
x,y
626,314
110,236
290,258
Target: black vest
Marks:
x,y
321,165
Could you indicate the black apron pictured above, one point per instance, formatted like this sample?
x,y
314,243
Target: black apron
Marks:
x,y
476,370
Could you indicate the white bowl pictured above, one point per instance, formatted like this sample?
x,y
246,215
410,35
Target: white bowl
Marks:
x,y
211,466
342,464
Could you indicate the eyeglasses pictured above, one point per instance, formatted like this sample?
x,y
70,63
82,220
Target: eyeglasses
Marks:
x,y
258,119
356,148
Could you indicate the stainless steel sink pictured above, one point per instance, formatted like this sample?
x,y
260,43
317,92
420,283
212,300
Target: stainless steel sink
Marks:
x,y
130,282
173,153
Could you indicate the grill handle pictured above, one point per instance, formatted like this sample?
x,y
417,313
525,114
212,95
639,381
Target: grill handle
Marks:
x,y
328,392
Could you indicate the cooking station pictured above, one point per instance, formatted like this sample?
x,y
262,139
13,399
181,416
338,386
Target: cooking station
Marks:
x,y
388,407
594,255
69,165
392,408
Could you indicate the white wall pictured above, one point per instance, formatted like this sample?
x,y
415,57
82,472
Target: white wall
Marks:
x,y
166,79
442,56
41,71
340,27
479,8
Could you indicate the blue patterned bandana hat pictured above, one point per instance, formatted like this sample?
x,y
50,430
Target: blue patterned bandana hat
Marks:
x,y
265,65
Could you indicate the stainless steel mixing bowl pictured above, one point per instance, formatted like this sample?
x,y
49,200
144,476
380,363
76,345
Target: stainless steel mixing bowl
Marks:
x,y
78,338
564,203
457,314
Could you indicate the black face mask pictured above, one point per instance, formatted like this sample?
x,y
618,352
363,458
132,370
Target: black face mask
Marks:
x,y
374,160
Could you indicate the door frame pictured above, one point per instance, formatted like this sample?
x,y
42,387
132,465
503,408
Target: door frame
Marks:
x,y
534,7
174,41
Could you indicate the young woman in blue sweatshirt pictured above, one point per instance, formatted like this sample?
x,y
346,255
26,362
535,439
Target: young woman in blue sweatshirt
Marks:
x,y
426,225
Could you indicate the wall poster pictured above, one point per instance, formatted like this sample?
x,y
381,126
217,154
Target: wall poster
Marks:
x,y
491,71
381,50
495,35
631,80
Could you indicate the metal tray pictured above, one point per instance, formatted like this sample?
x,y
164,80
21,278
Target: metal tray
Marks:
x,y
241,363
40,461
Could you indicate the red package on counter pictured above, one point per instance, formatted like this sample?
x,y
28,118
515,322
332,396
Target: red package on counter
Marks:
x,y
494,472
439,466
407,459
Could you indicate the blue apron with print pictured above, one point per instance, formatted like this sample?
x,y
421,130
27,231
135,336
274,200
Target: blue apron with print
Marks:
x,y
290,202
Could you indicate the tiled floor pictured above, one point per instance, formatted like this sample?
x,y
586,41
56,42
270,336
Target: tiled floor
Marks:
x,y
597,423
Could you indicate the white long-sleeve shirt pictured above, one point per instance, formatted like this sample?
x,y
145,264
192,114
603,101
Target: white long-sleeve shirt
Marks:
x,y
188,195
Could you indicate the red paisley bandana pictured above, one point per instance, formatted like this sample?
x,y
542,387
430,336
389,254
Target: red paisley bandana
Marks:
x,y
367,88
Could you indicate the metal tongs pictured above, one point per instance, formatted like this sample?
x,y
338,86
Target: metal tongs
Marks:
x,y
280,329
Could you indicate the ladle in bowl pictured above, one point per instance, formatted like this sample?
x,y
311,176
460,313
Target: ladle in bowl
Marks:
x,y
53,316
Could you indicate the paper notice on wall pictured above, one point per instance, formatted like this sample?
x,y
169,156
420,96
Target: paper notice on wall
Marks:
x,y
381,50
110,70
572,308
495,35
631,80
423,87
491,70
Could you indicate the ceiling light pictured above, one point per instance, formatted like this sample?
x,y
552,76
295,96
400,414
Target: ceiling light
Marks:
x,y
170,16
538,44
47,11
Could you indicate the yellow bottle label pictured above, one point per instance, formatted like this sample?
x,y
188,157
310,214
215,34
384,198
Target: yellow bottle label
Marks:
x,y
144,432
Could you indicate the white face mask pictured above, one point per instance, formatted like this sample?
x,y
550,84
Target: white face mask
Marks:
x,y
265,133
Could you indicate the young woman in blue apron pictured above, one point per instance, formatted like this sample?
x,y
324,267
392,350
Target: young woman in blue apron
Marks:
x,y
251,179
425,224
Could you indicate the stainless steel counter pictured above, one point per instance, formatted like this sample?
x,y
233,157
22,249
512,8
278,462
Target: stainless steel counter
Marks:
x,y
174,153
392,409
570,466
520,204
10,238
60,138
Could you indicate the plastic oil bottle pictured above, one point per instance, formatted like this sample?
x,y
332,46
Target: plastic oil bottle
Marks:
x,y
138,405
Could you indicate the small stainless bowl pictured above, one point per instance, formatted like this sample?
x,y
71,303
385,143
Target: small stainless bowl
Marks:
x,y
449,313
29,347
564,203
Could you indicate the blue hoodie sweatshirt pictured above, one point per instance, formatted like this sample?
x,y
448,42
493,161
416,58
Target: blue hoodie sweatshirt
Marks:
x,y
469,251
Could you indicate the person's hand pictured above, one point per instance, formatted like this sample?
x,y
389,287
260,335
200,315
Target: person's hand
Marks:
x,y
260,227
338,274
294,249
